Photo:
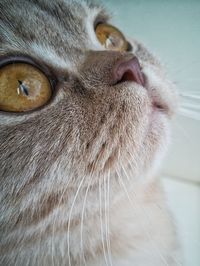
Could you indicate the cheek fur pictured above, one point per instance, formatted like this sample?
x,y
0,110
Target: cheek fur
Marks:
x,y
119,127
81,135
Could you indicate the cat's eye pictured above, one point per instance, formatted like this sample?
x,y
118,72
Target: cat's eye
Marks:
x,y
111,38
23,87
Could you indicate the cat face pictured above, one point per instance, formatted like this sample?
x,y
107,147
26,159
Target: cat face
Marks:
x,y
108,105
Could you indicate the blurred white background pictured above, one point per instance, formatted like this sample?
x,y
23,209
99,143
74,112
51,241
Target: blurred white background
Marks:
x,y
171,30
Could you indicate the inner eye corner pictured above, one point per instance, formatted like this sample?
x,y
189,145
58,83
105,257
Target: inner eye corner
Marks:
x,y
98,22
129,47
101,18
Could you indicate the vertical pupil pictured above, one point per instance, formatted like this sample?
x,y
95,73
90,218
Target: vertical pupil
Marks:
x,y
23,88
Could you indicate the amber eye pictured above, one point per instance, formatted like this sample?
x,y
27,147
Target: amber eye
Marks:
x,y
23,87
111,38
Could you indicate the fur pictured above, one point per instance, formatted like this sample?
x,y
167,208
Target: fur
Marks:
x,y
77,175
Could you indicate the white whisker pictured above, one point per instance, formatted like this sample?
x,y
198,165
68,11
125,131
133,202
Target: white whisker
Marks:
x,y
82,218
54,221
69,221
190,96
127,176
183,69
106,202
192,79
109,176
189,113
142,212
101,223
191,105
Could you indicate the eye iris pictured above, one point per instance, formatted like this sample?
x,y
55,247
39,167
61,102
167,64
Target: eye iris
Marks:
x,y
22,88
111,38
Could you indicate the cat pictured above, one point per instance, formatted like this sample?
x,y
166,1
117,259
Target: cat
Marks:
x,y
84,124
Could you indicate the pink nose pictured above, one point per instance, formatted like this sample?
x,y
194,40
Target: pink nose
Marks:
x,y
128,71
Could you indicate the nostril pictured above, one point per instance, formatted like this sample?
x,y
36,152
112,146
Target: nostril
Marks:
x,y
128,71
127,76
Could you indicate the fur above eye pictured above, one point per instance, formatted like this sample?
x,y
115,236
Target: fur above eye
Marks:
x,y
111,38
23,87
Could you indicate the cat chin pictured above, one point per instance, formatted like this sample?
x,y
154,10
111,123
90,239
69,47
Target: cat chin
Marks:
x,y
161,91
159,134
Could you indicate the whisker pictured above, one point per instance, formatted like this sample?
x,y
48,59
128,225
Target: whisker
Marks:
x,y
109,216
181,70
189,113
70,213
84,202
101,223
82,218
192,79
190,96
190,105
59,205
54,221
141,211
191,90
124,172
107,221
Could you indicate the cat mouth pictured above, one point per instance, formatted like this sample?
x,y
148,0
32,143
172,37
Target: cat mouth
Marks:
x,y
158,103
130,71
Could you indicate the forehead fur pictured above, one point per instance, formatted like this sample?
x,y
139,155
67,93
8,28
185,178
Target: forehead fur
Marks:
x,y
59,28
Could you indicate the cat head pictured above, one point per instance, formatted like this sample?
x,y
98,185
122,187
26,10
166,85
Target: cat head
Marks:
x,y
104,101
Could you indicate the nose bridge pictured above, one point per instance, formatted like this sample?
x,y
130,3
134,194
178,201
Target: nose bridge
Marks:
x,y
105,57
99,64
